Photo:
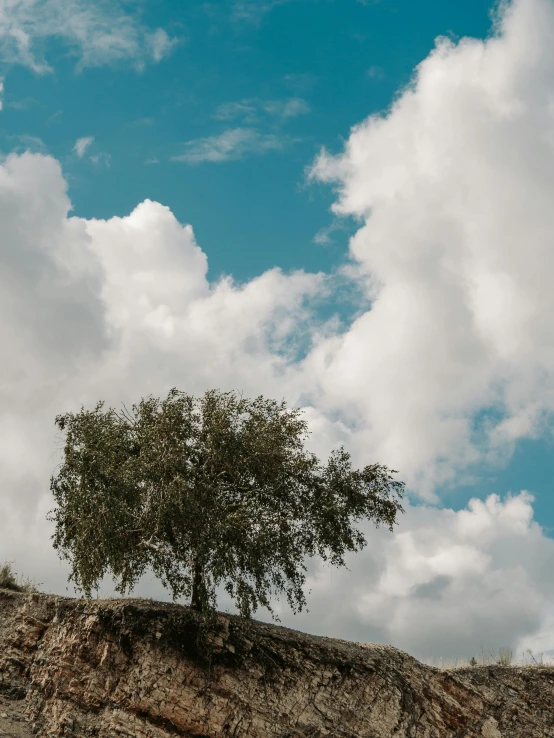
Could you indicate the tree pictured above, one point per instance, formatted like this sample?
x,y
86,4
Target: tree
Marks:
x,y
210,490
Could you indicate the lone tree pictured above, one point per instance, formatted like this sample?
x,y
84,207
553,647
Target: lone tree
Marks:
x,y
209,490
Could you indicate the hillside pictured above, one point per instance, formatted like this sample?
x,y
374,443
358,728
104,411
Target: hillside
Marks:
x,y
142,669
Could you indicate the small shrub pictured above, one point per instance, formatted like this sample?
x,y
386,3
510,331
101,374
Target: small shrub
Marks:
x,y
9,580
473,661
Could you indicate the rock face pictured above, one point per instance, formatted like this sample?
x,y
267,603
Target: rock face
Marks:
x,y
146,669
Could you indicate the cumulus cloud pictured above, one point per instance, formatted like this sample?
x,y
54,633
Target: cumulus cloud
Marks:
x,y
436,588
233,143
121,308
450,364
82,144
453,188
114,309
97,32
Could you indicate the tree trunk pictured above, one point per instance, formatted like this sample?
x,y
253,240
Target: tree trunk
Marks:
x,y
198,599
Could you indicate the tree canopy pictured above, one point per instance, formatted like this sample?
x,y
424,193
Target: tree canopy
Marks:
x,y
208,491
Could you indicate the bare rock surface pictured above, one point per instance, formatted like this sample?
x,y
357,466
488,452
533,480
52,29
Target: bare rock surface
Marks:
x,y
13,723
146,669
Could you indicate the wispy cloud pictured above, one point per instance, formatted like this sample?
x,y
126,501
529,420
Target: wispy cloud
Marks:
x,y
323,236
231,144
251,115
253,10
82,144
251,110
375,72
55,117
101,158
245,109
98,32
160,44
300,82
21,142
287,108
22,103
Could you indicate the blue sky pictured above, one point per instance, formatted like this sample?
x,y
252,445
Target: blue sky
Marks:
x,y
344,204
341,62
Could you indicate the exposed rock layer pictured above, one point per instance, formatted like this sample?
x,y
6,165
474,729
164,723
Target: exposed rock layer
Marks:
x,y
140,669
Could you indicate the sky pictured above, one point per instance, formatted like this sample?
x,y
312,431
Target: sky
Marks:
x,y
347,205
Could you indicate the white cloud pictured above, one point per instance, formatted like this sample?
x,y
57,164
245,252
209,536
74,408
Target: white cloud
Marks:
x,y
437,586
115,309
160,44
96,31
231,144
453,189
82,144
119,309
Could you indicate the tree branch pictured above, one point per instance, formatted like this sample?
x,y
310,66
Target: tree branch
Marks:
x,y
155,548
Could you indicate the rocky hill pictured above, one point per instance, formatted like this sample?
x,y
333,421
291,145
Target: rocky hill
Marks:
x,y
146,669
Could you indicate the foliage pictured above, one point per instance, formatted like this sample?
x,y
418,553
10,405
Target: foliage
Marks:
x,y
210,490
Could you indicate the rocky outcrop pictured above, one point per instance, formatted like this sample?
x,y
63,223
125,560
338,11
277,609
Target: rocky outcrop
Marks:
x,y
147,669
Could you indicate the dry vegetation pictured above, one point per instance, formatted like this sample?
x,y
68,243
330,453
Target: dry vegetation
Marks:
x,y
10,580
503,658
